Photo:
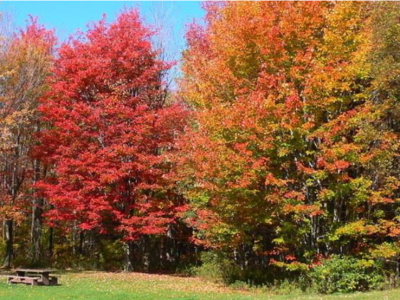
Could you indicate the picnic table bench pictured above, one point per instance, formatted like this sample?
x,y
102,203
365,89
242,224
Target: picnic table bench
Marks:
x,y
33,277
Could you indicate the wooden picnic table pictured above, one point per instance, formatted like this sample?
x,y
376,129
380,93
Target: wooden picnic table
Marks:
x,y
33,277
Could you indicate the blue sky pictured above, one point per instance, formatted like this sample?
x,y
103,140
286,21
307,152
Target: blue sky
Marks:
x,y
67,17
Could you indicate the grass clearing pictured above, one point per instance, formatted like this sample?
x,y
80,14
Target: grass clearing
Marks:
x,y
128,286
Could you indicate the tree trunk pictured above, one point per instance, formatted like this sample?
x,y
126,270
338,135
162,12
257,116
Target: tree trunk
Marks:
x,y
9,243
75,234
37,219
81,239
36,233
51,242
128,266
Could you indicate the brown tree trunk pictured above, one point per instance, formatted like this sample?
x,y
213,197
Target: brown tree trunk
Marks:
x,y
37,221
9,243
36,232
75,238
51,242
128,266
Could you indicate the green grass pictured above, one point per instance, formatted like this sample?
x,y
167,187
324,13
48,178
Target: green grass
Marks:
x,y
122,286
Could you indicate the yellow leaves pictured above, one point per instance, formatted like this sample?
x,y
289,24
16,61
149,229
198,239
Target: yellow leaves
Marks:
x,y
363,263
343,25
268,221
361,188
326,195
342,58
279,241
290,82
24,66
385,250
392,184
9,211
353,229
291,266
356,229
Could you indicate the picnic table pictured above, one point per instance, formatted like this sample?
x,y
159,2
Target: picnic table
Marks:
x,y
33,277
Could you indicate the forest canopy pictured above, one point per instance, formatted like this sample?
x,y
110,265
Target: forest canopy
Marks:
x,y
275,158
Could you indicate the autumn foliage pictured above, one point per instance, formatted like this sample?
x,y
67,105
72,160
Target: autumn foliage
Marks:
x,y
110,126
278,152
294,154
25,59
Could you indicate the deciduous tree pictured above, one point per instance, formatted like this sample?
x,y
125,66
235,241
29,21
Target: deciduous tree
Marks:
x,y
25,63
110,126
288,159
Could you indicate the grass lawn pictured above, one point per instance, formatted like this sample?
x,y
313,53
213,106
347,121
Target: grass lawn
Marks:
x,y
121,286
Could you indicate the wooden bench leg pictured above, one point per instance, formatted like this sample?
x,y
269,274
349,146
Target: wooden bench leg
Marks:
x,y
45,280
53,281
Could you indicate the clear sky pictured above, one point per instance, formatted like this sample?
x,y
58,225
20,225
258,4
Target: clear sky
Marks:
x,y
67,17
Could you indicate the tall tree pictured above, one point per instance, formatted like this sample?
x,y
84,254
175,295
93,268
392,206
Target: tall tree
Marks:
x,y
25,63
110,126
279,162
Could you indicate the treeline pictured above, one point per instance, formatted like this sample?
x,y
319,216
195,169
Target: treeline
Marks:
x,y
277,154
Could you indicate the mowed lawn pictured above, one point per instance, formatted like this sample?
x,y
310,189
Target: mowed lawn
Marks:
x,y
121,286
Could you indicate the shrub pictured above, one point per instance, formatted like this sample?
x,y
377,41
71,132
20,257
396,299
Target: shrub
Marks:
x,y
347,274
216,267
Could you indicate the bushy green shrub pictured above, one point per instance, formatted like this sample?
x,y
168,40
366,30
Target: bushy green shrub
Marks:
x,y
210,268
347,274
334,275
111,256
216,267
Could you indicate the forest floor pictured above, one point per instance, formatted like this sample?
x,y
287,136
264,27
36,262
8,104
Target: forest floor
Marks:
x,y
128,286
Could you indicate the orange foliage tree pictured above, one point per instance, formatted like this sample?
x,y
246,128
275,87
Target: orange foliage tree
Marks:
x,y
287,160
25,63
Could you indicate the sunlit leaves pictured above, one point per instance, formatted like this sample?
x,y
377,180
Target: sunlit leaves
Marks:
x,y
110,128
287,127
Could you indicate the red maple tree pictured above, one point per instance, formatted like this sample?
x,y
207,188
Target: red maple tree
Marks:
x,y
110,127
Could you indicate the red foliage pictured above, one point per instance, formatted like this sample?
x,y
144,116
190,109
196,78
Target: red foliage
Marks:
x,y
110,130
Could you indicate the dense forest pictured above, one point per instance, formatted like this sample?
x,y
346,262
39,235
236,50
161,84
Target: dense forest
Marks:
x,y
275,157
